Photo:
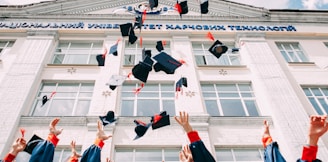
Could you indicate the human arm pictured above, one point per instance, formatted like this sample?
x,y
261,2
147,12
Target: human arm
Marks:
x,y
18,146
266,137
318,127
75,156
101,136
53,132
185,154
183,120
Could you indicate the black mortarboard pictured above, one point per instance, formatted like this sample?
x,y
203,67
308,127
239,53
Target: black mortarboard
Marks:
x,y
44,99
141,70
116,80
125,29
204,6
160,120
31,144
113,49
138,22
100,60
159,46
141,128
234,50
218,48
132,37
181,82
145,53
166,63
182,7
153,3
109,118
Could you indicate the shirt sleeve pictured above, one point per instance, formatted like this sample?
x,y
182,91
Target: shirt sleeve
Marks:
x,y
266,141
309,153
53,139
9,158
73,159
193,136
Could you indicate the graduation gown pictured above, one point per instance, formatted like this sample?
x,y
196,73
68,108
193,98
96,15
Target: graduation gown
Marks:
x,y
309,154
272,153
198,149
93,153
44,151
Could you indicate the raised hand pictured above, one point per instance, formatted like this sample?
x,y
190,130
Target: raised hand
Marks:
x,y
74,153
101,133
266,132
183,120
185,154
318,127
18,146
52,127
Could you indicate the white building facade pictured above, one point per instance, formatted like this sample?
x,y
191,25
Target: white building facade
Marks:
x,y
279,74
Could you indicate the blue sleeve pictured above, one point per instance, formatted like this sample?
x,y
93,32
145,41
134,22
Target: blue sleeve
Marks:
x,y
200,153
44,151
272,153
93,153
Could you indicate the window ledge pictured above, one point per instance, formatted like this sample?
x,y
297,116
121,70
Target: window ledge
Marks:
x,y
75,65
301,63
222,66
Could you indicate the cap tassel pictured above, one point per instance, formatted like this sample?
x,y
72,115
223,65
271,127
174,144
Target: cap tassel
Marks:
x,y
129,75
172,62
182,61
22,130
164,42
137,91
143,18
157,118
104,54
140,41
52,94
178,8
210,36
118,40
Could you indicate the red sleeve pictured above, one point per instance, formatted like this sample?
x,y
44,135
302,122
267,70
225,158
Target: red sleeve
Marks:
x,y
53,139
193,136
266,141
9,158
100,143
73,159
309,153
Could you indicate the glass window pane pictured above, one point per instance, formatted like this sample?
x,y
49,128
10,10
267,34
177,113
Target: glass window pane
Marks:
x,y
68,87
82,108
171,155
170,94
200,60
85,94
150,87
169,107
228,94
324,104
129,60
325,91
128,87
167,87
58,59
87,87
65,94
247,155
307,91
124,155
50,87
251,108
284,54
61,107
147,107
148,155
316,91
76,59
247,94
127,108
224,155
226,87
40,111
244,87
208,87
128,94
232,107
148,94
212,107
57,155
93,59
302,56
205,94
316,106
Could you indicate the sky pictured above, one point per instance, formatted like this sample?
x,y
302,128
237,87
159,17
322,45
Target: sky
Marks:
x,y
268,4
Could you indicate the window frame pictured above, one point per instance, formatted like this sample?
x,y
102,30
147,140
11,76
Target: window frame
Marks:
x,y
260,151
128,94
67,52
225,60
8,44
75,99
217,99
296,52
319,107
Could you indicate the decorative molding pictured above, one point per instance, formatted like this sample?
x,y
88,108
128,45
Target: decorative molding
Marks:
x,y
106,93
71,70
190,93
223,72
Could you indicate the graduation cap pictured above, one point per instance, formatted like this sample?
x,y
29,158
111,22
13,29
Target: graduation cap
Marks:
x,y
233,50
182,7
218,48
138,22
166,63
145,53
141,128
181,82
153,3
142,69
116,80
159,46
160,120
109,118
101,60
45,98
125,29
32,143
132,37
113,49
204,6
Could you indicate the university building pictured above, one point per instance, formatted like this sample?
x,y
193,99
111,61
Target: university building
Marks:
x,y
276,69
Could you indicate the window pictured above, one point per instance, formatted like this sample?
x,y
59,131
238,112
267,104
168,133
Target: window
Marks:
x,y
326,44
292,52
5,46
70,99
229,100
239,154
147,155
133,53
61,154
318,98
204,57
152,99
77,52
